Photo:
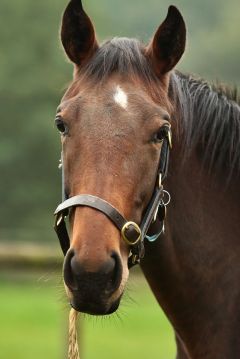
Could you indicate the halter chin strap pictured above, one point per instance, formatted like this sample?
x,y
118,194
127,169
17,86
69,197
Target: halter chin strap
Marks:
x,y
133,234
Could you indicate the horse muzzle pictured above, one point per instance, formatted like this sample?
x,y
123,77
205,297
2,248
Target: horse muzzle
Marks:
x,y
95,292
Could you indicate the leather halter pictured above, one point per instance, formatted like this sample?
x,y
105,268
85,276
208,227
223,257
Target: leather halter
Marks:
x,y
133,234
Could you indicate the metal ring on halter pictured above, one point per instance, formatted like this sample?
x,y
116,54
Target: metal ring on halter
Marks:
x,y
138,230
169,197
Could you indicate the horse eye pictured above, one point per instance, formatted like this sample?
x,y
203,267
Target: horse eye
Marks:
x,y
61,126
161,134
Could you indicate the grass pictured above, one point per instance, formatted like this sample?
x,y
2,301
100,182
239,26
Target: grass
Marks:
x,y
33,324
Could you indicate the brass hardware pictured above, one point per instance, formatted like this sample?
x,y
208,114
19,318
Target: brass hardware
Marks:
x,y
170,138
136,227
159,180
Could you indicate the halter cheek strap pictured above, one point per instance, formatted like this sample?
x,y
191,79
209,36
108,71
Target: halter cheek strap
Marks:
x,y
133,234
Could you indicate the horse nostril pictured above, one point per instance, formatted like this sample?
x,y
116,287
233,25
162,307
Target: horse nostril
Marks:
x,y
68,274
116,275
106,275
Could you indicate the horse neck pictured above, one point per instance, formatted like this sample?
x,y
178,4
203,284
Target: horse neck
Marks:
x,y
194,269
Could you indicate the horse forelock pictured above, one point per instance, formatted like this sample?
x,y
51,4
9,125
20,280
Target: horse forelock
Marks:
x,y
122,55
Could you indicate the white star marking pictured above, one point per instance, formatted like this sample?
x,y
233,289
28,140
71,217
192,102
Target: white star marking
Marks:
x,y
120,97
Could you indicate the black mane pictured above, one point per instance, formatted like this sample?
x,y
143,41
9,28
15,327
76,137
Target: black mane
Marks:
x,y
209,114
209,121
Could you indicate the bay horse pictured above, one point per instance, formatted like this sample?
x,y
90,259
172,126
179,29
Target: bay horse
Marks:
x,y
115,121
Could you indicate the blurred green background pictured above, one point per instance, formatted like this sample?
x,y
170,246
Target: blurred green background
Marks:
x,y
33,75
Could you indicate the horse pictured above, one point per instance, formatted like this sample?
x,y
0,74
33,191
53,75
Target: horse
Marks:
x,y
116,120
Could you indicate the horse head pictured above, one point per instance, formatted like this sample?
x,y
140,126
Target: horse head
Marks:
x,y
112,120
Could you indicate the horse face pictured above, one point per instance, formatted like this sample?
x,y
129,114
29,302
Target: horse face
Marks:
x,y
111,148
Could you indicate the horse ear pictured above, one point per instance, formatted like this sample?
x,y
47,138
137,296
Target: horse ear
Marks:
x,y
77,33
168,43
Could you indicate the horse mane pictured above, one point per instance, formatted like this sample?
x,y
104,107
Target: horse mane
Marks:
x,y
209,121
208,114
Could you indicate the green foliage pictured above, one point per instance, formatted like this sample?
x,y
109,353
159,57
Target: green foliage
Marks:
x,y
34,72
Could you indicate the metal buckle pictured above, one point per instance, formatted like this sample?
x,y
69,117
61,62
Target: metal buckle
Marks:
x,y
138,230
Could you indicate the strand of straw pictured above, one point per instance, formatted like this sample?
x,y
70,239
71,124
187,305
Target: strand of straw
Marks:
x,y
73,352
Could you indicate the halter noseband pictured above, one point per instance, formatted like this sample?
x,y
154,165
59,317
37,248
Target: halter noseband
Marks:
x,y
133,234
